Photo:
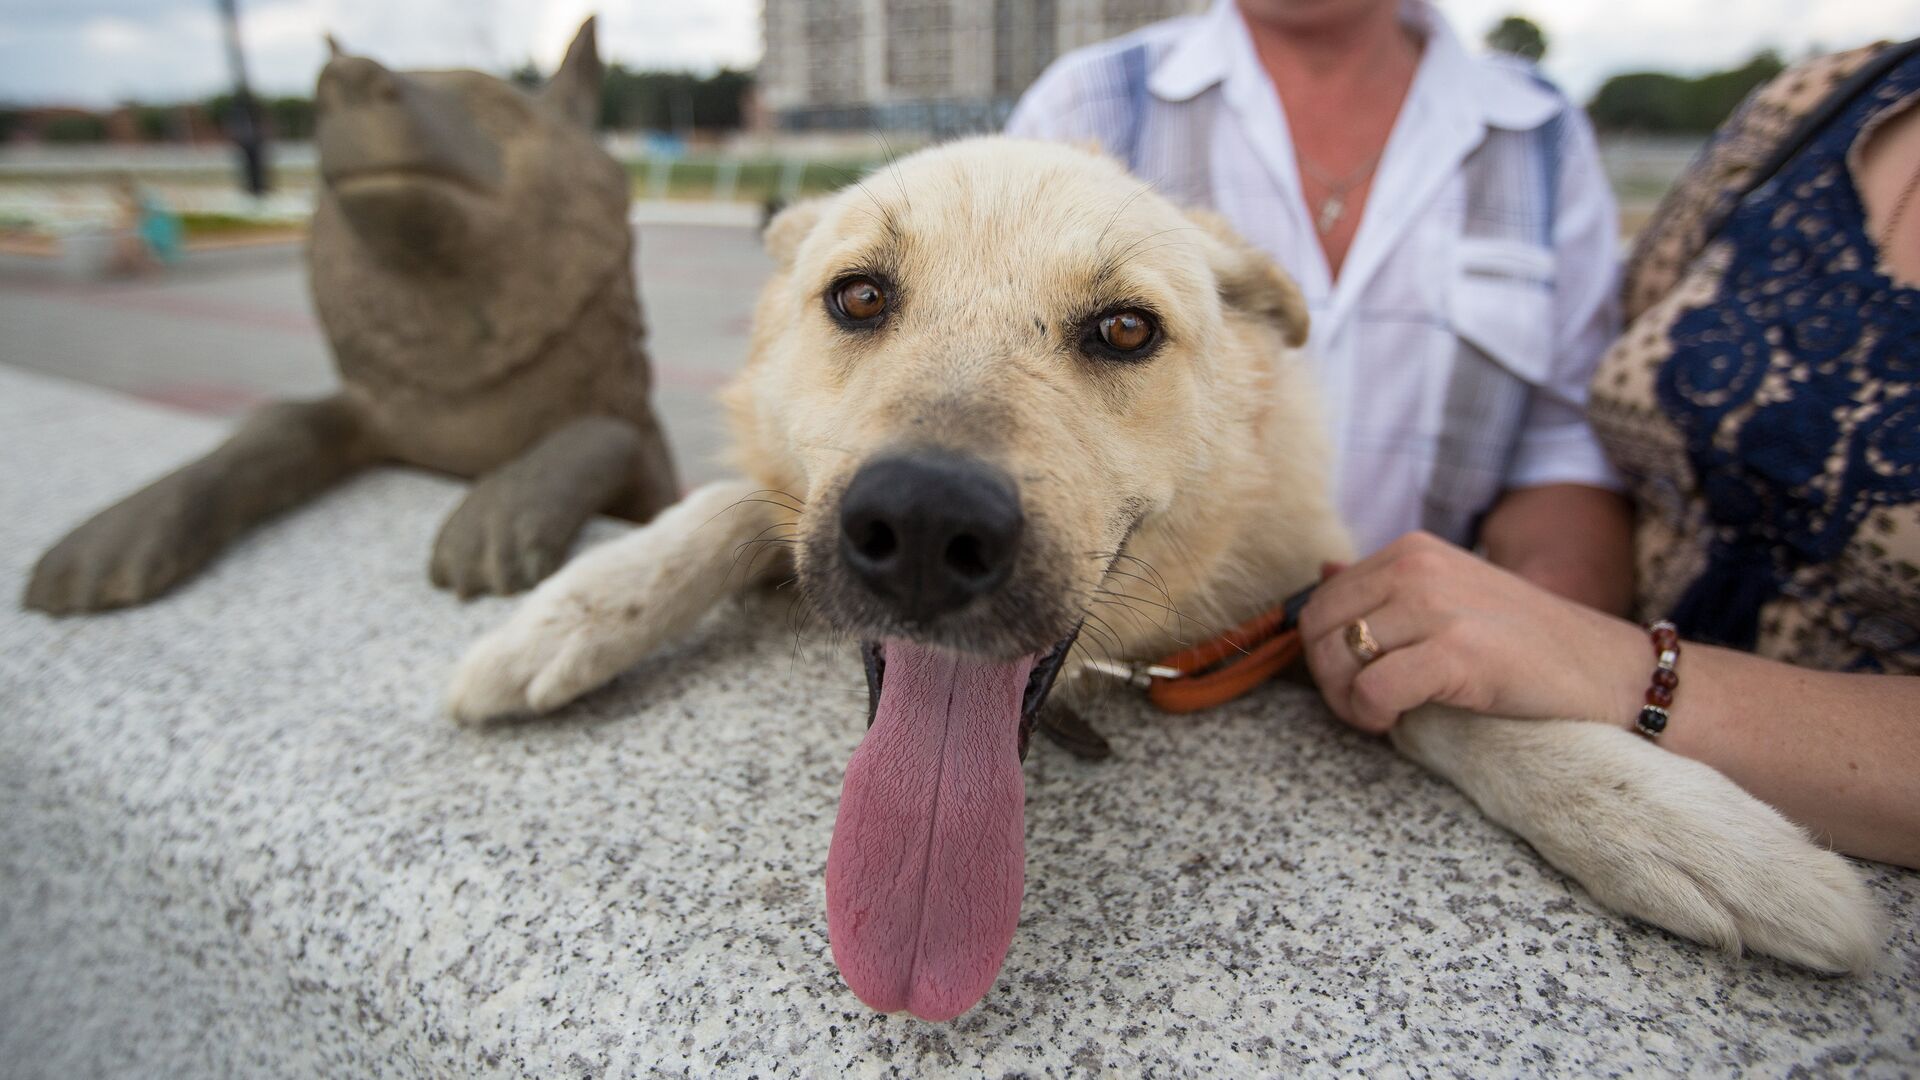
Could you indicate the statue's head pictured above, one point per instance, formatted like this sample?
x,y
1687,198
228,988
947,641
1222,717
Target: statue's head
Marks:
x,y
460,218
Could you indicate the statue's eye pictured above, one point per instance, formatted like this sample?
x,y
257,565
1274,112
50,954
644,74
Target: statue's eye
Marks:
x,y
1129,330
858,300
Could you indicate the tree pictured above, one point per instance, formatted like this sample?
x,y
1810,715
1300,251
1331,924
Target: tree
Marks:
x,y
1520,36
1662,104
219,108
291,117
73,128
527,77
671,100
154,123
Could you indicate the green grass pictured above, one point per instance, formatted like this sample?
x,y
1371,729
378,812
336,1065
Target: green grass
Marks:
x,y
195,225
699,178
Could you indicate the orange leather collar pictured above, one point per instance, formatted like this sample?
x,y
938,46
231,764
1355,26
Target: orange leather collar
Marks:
x,y
1218,670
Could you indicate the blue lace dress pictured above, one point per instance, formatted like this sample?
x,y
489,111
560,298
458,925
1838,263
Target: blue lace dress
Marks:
x,y
1765,401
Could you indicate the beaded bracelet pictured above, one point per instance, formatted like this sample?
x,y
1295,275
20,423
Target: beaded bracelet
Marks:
x,y
1666,650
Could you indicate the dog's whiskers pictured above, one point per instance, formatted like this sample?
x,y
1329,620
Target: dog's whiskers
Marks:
x,y
764,547
754,497
1106,636
1148,582
1150,623
1127,600
759,540
886,217
1113,558
1142,190
886,146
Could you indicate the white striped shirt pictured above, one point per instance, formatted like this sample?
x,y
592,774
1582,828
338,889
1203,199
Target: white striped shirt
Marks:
x,y
1511,260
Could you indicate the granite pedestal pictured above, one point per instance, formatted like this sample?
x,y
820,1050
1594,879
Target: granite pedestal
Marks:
x,y
237,838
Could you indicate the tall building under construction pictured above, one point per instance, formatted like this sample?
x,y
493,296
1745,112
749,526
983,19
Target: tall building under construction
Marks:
x,y
940,66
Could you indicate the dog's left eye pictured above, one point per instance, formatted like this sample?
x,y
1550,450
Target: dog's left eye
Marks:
x,y
858,299
1126,331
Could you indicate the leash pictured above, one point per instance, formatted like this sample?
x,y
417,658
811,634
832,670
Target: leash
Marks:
x,y
1222,668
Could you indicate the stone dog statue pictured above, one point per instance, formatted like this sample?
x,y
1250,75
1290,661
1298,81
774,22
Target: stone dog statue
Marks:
x,y
472,266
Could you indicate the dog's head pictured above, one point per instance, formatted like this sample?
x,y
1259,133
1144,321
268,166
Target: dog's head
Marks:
x,y
982,370
991,362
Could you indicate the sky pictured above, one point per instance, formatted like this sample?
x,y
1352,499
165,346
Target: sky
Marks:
x,y
96,52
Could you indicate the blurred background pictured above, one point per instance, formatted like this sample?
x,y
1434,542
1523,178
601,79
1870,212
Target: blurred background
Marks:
x,y
156,169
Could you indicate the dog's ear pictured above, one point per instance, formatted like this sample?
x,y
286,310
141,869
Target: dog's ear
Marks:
x,y
1250,282
789,227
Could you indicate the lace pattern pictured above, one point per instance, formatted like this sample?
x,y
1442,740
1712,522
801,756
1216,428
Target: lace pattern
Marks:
x,y
1763,402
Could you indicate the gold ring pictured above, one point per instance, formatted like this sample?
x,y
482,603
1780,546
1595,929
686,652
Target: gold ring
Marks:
x,y
1361,640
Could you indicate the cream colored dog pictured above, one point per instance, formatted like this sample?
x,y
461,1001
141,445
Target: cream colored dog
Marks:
x,y
989,389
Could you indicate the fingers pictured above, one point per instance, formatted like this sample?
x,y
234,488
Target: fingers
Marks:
x,y
1366,586
1391,591
1346,596
1335,665
1373,696
1400,681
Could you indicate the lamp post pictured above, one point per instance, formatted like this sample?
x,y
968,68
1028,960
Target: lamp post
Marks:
x,y
243,123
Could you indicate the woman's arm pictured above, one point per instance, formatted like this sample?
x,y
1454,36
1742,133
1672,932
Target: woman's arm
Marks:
x,y
1571,539
1840,754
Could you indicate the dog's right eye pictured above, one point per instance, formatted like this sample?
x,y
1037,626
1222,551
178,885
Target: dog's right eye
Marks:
x,y
1127,331
858,300
1128,334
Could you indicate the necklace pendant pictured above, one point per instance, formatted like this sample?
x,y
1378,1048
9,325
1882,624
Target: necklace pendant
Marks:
x,y
1330,212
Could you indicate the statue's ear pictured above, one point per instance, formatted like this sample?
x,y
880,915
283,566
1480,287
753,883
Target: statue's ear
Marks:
x,y
789,227
574,90
335,50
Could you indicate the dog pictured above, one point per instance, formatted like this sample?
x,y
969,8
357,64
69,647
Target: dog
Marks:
x,y
987,389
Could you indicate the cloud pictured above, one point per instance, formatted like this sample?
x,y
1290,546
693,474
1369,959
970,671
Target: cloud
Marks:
x,y
97,52
1592,39
100,51
109,35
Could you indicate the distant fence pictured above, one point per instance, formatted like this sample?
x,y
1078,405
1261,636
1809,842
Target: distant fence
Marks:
x,y
735,179
725,177
1640,168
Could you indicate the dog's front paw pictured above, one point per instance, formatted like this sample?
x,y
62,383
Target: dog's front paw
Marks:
x,y
606,610
548,654
1688,850
1657,836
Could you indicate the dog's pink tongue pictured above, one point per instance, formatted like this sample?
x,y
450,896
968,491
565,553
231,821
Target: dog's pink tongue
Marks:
x,y
929,857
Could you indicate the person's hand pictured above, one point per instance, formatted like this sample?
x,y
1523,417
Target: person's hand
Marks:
x,y
1453,629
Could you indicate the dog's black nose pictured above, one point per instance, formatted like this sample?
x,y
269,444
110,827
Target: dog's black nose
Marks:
x,y
930,531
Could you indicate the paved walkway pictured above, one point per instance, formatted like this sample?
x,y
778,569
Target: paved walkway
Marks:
x,y
219,336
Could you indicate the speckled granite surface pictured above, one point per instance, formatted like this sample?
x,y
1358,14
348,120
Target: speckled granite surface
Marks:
x,y
237,839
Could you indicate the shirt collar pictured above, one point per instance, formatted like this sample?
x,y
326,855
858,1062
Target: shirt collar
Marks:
x,y
1497,94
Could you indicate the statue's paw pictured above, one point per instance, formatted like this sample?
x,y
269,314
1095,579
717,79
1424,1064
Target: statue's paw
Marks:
x,y
495,545
1688,850
128,554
